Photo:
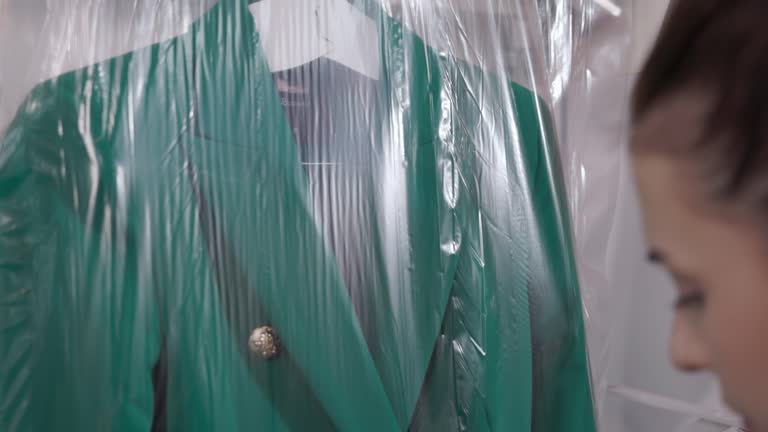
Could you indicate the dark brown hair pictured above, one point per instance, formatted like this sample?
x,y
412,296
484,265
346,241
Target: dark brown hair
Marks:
x,y
719,47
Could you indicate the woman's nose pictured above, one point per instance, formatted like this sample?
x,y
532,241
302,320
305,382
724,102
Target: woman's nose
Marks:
x,y
688,348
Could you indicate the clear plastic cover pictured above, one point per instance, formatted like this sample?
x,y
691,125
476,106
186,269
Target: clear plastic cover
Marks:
x,y
288,215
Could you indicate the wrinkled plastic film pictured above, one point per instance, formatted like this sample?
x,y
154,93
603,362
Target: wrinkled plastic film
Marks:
x,y
288,216
593,112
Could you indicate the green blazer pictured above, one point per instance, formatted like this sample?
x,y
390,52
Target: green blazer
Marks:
x,y
153,213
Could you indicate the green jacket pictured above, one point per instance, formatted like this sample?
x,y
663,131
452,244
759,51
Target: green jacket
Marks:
x,y
153,213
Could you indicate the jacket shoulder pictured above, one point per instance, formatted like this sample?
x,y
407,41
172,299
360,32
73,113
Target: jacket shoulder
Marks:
x,y
68,126
87,93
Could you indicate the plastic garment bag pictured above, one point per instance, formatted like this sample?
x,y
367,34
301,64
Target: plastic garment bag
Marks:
x,y
193,241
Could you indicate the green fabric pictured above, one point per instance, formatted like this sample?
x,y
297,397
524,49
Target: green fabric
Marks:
x,y
109,254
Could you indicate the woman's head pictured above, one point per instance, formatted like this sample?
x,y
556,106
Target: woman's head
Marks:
x,y
700,153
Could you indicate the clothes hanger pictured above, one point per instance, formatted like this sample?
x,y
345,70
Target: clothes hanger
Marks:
x,y
296,32
610,6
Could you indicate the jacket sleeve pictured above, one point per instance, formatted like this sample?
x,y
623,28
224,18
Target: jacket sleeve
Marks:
x,y
73,309
26,240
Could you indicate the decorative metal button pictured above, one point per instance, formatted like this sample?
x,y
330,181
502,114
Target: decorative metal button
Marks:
x,y
265,343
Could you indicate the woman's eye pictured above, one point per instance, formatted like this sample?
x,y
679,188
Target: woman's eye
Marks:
x,y
693,299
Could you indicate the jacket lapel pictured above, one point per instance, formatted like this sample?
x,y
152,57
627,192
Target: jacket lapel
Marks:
x,y
420,211
247,170
418,217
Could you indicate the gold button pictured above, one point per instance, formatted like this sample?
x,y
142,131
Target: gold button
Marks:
x,y
265,343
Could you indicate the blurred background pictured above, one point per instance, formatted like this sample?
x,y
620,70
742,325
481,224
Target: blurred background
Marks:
x,y
585,57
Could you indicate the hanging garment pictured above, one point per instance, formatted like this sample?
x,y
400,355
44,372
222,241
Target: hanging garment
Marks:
x,y
166,261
